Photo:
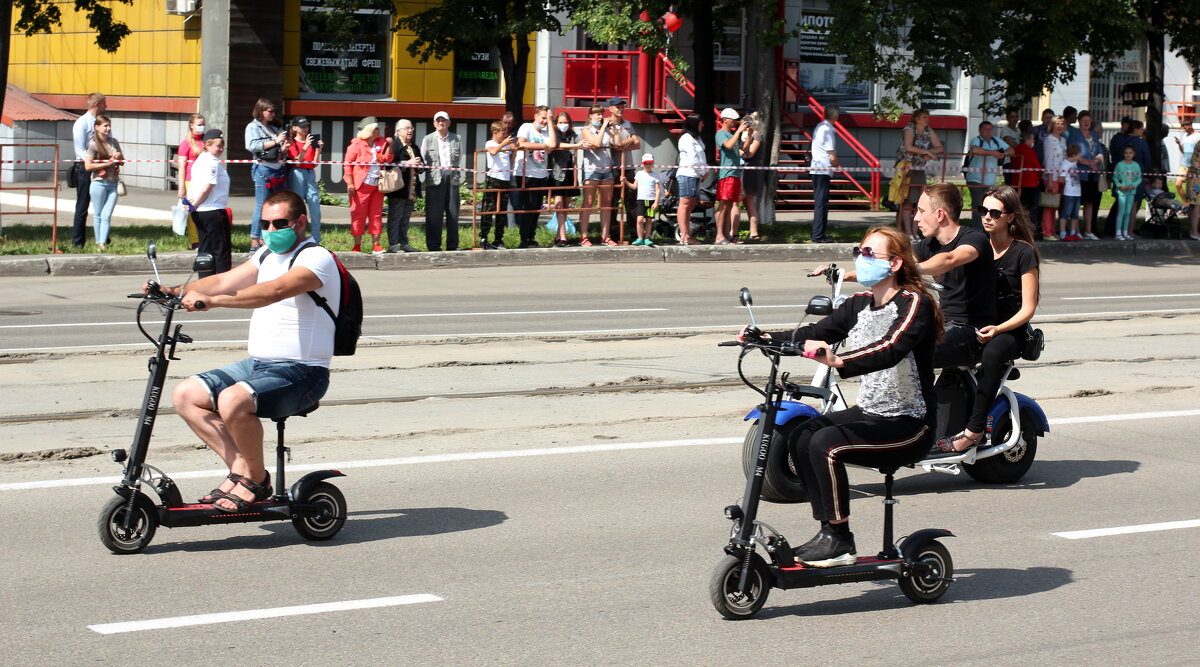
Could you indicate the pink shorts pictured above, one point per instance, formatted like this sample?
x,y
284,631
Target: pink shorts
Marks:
x,y
729,189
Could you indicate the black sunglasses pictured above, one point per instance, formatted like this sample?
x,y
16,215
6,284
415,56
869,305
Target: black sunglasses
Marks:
x,y
281,223
993,213
868,253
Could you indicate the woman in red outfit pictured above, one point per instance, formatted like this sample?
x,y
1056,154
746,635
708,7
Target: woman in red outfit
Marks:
x,y
364,156
1026,182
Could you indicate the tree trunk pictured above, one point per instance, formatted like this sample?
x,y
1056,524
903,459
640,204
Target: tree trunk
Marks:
x,y
5,45
515,67
1156,49
702,55
765,94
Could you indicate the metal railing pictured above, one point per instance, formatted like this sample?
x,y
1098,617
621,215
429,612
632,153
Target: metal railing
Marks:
x,y
29,189
595,76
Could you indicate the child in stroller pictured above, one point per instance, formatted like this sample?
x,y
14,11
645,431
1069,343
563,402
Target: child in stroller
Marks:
x,y
703,222
1164,219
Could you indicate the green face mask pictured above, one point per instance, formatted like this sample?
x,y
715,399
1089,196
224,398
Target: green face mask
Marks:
x,y
280,240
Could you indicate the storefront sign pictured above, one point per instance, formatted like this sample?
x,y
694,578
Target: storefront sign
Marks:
x,y
359,68
824,74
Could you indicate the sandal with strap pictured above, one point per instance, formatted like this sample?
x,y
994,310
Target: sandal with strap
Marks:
x,y
947,444
586,242
609,241
207,498
261,491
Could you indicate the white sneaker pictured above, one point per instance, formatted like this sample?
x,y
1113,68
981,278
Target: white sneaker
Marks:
x,y
1091,237
1194,237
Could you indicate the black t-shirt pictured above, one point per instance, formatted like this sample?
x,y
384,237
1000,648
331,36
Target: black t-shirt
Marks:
x,y
1018,260
970,293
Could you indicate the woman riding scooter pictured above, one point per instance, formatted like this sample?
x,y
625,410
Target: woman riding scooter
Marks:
x,y
889,333
1016,260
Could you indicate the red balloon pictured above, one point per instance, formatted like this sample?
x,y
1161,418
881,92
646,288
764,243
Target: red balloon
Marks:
x,y
672,21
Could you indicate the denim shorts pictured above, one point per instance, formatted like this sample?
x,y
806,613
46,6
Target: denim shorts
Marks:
x,y
600,175
689,187
279,389
1070,208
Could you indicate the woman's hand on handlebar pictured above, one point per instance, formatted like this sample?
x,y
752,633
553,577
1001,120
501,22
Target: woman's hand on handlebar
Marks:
x,y
819,351
751,332
194,301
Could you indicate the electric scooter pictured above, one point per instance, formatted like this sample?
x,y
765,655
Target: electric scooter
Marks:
x,y
743,578
1014,423
129,520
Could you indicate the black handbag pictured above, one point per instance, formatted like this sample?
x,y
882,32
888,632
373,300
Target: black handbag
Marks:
x,y
1035,342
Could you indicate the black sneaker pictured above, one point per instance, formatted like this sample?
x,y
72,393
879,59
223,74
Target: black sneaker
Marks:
x,y
799,552
404,247
830,550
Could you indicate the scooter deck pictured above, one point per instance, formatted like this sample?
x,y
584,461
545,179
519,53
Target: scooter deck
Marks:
x,y
201,514
865,568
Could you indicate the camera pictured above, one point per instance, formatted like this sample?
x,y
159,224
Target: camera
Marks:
x,y
315,137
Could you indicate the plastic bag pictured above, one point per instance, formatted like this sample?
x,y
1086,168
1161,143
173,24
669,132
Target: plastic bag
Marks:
x,y
552,224
179,219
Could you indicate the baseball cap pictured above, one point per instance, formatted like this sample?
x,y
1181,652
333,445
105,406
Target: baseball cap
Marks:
x,y
300,121
729,112
614,101
647,157
441,114
213,134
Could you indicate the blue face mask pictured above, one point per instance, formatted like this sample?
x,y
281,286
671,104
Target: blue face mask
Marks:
x,y
871,270
280,240
596,123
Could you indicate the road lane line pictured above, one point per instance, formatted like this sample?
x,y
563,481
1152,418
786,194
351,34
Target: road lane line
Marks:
x,y
519,453
1125,530
1126,296
251,614
394,316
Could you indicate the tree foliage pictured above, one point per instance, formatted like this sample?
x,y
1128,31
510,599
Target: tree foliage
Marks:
x,y
40,16
1020,48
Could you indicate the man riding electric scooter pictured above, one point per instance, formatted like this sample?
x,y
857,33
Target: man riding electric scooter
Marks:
x,y
291,342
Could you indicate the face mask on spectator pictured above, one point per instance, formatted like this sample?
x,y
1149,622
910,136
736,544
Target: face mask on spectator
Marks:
x,y
199,129
564,127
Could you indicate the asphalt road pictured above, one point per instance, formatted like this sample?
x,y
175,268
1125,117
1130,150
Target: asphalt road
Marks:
x,y
572,513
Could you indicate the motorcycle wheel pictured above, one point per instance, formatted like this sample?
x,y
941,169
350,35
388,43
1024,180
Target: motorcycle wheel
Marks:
x,y
781,482
1012,465
111,524
332,517
930,582
724,593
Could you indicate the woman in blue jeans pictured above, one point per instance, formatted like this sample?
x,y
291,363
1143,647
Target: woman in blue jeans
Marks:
x,y
103,161
268,144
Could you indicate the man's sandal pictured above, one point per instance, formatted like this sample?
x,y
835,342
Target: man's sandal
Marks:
x,y
212,495
261,491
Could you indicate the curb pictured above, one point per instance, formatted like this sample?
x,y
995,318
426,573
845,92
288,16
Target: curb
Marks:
x,y
181,262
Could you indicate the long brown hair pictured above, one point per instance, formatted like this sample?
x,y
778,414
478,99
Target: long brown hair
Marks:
x,y
908,276
104,148
197,146
1021,229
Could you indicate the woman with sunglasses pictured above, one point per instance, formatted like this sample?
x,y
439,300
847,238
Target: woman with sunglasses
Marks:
x,y
1016,260
888,333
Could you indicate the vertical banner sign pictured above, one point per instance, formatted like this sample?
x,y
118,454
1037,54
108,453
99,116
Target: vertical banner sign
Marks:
x,y
357,67
823,73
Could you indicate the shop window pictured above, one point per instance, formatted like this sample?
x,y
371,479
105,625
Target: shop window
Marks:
x,y
358,68
477,74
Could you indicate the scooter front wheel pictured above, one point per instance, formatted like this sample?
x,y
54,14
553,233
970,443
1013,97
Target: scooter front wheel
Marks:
x,y
332,516
114,534
725,593
930,574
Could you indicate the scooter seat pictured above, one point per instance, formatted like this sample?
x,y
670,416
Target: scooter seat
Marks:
x,y
303,413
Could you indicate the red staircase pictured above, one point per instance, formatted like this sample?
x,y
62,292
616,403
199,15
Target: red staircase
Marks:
x,y
848,189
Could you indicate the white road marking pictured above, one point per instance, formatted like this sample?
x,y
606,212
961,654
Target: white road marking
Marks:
x,y
1113,313
1127,296
251,614
1125,530
518,453
394,316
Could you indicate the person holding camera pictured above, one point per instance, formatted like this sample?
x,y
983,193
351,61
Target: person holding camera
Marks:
x,y
268,144
729,177
304,149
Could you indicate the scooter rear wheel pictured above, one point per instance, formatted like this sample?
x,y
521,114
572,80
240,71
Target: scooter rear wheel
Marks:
x,y
332,517
723,588
111,524
931,578
1012,465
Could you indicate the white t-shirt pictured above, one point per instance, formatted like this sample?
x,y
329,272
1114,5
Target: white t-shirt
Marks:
x,y
692,161
1071,186
208,170
537,158
499,166
373,171
824,141
1189,145
646,181
296,329
597,159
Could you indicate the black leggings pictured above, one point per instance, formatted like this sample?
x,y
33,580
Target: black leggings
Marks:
x,y
822,446
1001,349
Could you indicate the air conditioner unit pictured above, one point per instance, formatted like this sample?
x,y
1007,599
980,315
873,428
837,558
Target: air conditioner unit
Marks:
x,y
182,7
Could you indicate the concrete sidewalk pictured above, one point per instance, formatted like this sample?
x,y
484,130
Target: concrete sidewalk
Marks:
x,y
143,206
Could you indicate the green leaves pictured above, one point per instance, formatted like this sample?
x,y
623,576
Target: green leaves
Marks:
x,y
40,16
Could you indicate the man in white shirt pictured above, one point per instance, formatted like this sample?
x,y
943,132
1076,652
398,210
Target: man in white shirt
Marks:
x,y
81,134
441,148
290,346
531,172
824,161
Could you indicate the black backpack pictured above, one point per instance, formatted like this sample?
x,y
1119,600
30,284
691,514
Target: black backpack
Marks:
x,y
348,320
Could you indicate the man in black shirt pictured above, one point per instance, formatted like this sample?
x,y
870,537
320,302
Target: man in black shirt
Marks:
x,y
960,258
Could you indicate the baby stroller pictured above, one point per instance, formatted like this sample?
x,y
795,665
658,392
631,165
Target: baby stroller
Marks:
x,y
703,222
1164,219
